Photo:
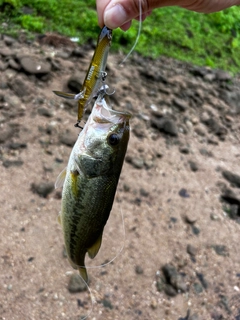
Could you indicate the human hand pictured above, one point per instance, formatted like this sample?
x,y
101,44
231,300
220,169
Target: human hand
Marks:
x,y
119,13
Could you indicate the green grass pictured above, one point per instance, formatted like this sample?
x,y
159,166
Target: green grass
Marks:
x,y
208,40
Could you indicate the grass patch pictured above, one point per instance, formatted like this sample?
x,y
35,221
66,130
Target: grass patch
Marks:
x,y
208,40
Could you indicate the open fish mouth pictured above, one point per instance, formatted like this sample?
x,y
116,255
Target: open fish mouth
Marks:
x,y
103,113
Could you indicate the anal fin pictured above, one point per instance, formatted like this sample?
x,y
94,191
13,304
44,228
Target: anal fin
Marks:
x,y
93,250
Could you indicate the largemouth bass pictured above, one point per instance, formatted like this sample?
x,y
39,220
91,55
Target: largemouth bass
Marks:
x,y
90,181
96,74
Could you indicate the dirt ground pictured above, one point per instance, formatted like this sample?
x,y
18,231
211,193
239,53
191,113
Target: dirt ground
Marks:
x,y
178,191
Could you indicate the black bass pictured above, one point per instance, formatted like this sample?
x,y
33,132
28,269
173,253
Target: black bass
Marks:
x,y
95,75
90,181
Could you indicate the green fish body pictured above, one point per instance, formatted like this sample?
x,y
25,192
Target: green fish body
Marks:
x,y
91,179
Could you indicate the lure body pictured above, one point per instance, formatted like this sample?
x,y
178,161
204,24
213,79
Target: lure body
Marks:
x,y
91,179
95,75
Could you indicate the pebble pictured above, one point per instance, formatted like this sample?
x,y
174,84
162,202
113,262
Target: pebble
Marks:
x,y
232,177
76,284
139,270
191,250
35,65
12,163
45,112
165,125
68,138
183,193
43,189
221,250
197,288
193,165
180,104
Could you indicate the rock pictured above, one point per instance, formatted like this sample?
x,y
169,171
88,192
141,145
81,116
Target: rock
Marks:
x,y
16,145
35,65
6,52
45,112
76,284
232,177
174,278
20,86
221,250
137,163
68,138
12,163
197,288
203,281
183,193
166,125
191,250
204,152
223,75
170,291
184,150
180,104
107,303
43,189
139,270
193,165
233,99
6,134
195,230
75,83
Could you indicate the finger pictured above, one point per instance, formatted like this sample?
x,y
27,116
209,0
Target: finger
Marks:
x,y
101,5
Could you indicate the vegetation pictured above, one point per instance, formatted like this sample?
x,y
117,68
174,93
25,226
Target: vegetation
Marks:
x,y
212,40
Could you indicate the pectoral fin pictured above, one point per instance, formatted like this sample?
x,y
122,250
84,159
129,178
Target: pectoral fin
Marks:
x,y
60,179
92,252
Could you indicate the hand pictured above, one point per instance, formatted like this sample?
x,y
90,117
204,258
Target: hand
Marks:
x,y
119,13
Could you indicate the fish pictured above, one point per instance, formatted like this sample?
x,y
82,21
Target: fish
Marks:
x,y
95,75
90,181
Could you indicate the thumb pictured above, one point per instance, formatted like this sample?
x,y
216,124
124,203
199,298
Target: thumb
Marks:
x,y
118,13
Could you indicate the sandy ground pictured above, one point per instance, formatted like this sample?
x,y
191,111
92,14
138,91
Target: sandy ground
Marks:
x,y
173,215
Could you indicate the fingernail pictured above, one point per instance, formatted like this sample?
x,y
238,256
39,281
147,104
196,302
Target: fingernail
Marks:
x,y
115,16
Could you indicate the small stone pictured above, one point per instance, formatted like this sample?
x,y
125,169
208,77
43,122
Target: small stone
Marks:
x,y
202,279
43,189
45,112
221,250
232,177
191,219
139,270
195,230
214,217
12,163
6,134
193,165
191,250
184,150
34,65
137,163
107,303
68,138
166,125
170,291
197,287
180,104
184,193
76,284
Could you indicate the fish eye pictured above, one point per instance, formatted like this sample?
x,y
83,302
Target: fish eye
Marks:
x,y
113,139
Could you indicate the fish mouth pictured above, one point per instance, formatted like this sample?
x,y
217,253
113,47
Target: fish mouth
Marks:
x,y
103,113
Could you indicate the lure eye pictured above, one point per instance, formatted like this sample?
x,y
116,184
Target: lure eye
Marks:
x,y
113,139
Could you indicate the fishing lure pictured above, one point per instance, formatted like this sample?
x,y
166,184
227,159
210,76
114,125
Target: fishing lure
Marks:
x,y
96,74
90,181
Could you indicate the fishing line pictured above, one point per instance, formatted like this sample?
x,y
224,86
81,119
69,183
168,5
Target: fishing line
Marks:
x,y
138,35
